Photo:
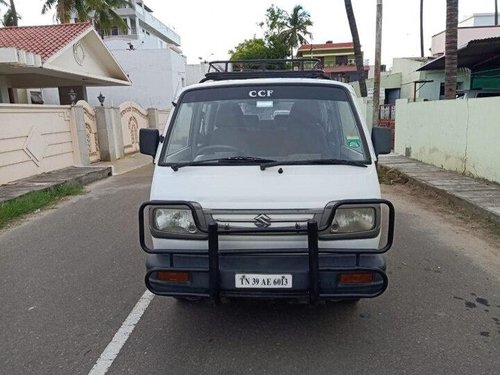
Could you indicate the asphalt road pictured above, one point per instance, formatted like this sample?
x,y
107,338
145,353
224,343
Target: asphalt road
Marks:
x,y
69,277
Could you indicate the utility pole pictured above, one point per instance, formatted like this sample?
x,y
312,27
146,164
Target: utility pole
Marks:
x,y
422,28
378,53
496,12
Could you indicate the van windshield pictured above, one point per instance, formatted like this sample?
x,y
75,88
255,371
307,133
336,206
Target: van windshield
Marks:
x,y
269,122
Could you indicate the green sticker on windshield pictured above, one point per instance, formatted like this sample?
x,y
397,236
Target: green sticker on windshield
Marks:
x,y
353,142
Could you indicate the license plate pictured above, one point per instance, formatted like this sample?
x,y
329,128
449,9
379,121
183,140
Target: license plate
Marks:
x,y
253,280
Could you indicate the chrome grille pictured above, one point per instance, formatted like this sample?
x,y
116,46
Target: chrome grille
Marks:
x,y
262,219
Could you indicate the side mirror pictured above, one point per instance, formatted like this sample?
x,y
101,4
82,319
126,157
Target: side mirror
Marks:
x,y
148,141
381,139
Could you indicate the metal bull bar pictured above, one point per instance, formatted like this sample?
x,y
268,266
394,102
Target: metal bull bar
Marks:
x,y
313,252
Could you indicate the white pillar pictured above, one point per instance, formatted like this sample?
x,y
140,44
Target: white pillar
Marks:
x,y
4,90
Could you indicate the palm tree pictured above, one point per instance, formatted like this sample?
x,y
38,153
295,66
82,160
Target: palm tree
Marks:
x,y
295,31
13,14
100,11
450,68
64,9
358,55
10,17
104,14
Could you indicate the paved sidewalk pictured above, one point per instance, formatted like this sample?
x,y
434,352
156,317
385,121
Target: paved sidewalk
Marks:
x,y
481,196
127,164
81,175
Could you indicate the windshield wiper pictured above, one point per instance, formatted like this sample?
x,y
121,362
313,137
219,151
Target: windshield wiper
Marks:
x,y
354,163
228,160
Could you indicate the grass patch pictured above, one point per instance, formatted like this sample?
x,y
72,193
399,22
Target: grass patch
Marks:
x,y
31,202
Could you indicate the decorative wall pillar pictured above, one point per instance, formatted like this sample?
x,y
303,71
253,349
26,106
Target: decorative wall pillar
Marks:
x,y
153,118
118,133
81,148
108,124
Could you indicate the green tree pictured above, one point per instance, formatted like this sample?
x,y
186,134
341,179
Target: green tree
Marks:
x,y
102,12
257,49
277,48
274,25
296,26
250,49
282,33
276,21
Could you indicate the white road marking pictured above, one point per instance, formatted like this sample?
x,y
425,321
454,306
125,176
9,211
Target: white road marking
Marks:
x,y
113,349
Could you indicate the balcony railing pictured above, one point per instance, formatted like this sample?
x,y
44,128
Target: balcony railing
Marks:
x,y
160,27
387,112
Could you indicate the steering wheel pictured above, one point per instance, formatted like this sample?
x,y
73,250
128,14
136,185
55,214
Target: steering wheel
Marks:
x,y
215,148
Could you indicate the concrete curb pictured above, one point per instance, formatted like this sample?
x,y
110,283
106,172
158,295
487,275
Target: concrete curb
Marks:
x,y
92,176
46,181
460,201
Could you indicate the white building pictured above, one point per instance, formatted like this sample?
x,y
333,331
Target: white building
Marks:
x,y
477,26
478,19
144,30
149,52
60,58
195,72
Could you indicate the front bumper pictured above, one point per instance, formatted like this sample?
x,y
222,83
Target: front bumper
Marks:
x,y
293,262
315,272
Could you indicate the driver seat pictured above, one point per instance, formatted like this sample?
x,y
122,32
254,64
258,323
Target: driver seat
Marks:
x,y
229,131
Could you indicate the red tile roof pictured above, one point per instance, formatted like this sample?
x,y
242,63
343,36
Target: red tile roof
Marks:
x,y
42,40
308,47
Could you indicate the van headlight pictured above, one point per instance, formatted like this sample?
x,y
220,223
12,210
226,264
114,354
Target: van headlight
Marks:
x,y
354,220
174,221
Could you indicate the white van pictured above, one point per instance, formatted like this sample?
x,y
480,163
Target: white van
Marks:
x,y
265,186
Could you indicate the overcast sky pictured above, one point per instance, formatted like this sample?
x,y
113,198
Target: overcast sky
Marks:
x,y
213,27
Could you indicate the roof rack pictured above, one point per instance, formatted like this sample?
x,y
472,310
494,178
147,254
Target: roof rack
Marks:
x,y
266,68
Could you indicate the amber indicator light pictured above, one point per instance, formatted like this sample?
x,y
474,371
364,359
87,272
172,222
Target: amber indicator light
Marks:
x,y
356,278
177,277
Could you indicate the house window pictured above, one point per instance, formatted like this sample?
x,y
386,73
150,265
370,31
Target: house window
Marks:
x,y
114,30
341,60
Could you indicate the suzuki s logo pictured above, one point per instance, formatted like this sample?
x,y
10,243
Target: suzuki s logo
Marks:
x,y
262,221
260,93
